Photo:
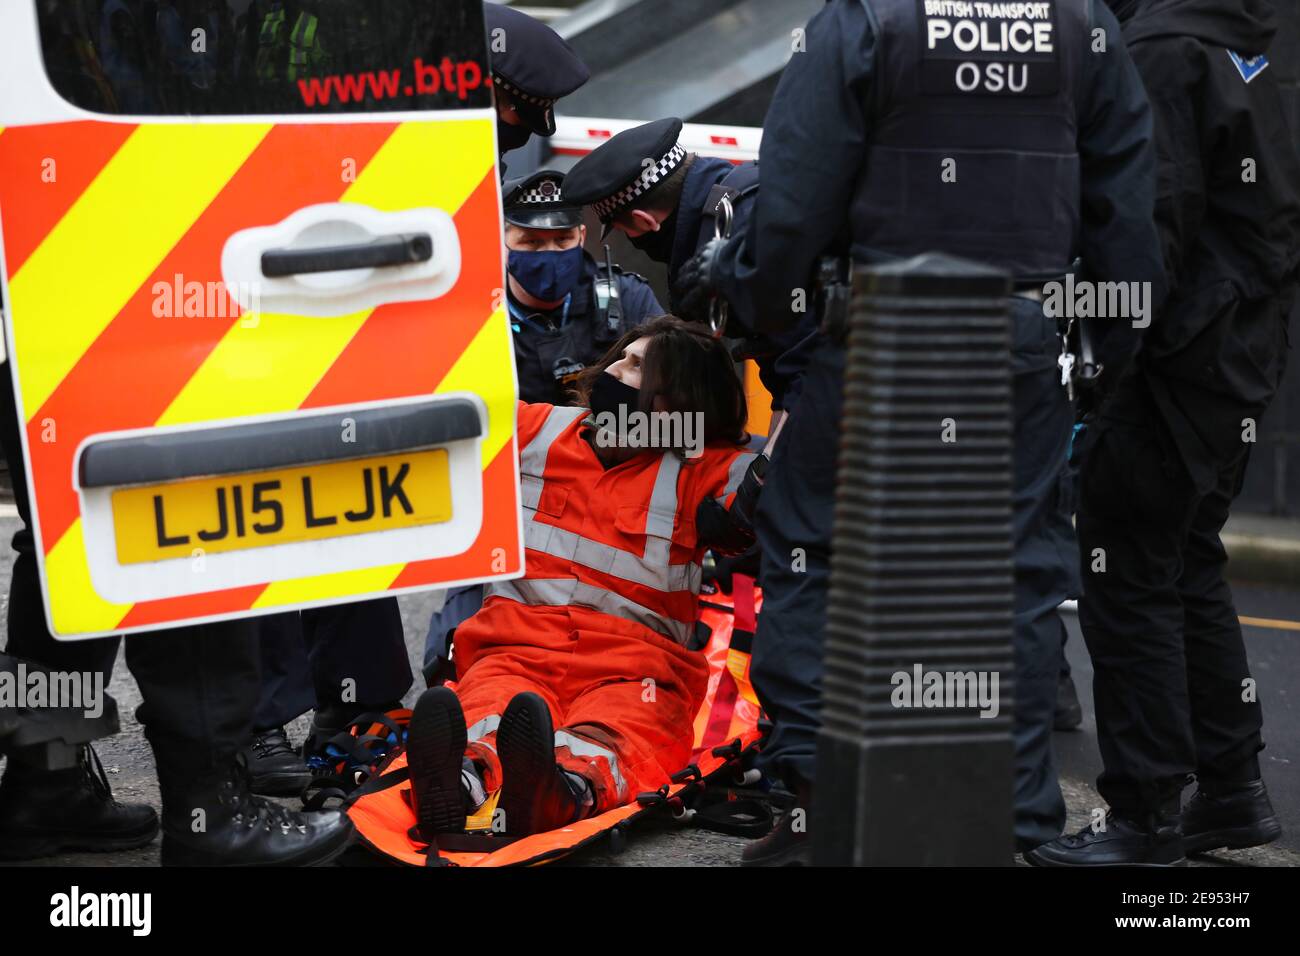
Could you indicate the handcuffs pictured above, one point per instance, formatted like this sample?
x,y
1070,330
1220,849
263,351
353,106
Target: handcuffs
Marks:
x,y
718,308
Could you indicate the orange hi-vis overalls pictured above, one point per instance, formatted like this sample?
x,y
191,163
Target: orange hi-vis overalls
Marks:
x,y
601,624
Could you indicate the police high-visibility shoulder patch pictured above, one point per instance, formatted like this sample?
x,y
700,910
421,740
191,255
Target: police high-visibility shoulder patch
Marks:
x,y
989,48
1249,68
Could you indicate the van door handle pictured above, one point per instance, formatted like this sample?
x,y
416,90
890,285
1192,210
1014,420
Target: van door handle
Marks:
x,y
396,250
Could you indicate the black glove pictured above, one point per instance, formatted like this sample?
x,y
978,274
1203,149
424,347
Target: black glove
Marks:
x,y
719,570
725,532
730,531
695,286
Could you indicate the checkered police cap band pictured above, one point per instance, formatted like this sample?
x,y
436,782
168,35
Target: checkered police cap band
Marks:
x,y
516,92
648,179
547,191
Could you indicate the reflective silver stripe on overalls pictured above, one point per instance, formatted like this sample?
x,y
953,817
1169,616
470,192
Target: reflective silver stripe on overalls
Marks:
x,y
652,569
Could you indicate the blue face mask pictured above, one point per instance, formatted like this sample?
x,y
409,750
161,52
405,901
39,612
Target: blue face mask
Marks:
x,y
548,276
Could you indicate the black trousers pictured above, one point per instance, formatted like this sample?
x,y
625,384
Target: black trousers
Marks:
x,y
198,684
341,660
794,524
1171,683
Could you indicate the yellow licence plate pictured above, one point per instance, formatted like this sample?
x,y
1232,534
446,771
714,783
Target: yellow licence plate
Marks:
x,y
309,503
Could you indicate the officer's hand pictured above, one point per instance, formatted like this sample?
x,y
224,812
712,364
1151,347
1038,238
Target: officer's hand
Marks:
x,y
695,285
725,532
720,569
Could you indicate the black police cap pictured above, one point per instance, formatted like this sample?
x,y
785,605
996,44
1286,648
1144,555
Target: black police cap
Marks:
x,y
616,173
531,63
536,202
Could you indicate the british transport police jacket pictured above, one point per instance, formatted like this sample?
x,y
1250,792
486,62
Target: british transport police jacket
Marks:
x,y
854,147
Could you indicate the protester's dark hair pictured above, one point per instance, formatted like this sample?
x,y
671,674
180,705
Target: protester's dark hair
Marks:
x,y
690,369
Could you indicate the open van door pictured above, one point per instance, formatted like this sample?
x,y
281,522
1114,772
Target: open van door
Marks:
x,y
252,267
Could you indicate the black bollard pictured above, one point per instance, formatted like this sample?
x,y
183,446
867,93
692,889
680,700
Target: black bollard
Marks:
x,y
908,771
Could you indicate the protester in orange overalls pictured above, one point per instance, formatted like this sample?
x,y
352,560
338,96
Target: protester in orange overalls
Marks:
x,y
579,681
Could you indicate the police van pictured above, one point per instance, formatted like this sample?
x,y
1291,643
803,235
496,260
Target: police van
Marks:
x,y
252,272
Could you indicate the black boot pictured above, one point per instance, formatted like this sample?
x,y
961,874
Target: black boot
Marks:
x,y
235,828
1230,819
788,844
43,812
435,749
1069,713
1123,842
274,767
536,795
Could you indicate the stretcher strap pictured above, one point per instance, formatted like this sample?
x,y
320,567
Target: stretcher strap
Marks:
x,y
315,799
474,842
380,782
744,817
743,602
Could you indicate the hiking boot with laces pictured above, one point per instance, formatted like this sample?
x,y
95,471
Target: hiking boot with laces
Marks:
x,y
274,767
43,812
226,825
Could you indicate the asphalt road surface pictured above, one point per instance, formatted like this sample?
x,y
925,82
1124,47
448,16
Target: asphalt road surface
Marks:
x,y
1275,657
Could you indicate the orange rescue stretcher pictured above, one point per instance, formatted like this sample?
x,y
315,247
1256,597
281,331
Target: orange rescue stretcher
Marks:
x,y
726,732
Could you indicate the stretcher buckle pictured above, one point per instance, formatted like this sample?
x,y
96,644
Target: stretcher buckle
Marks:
x,y
687,774
731,751
653,798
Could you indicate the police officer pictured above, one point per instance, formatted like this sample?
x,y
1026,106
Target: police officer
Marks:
x,y
1024,155
199,687
1169,450
668,201
532,68
566,310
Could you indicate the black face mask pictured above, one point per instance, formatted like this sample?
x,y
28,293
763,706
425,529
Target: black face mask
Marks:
x,y
511,137
658,245
608,394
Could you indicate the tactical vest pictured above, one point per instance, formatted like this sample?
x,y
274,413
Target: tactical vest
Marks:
x,y
547,364
974,132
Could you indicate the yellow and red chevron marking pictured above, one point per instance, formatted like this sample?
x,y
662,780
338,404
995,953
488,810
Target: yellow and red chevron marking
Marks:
x,y
134,206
